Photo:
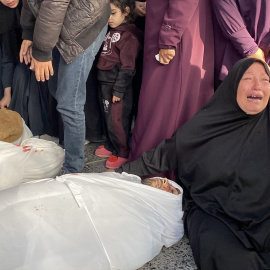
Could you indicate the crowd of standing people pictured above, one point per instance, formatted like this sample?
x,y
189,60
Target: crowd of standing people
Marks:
x,y
166,64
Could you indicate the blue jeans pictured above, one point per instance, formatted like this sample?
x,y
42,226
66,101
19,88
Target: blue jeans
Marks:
x,y
71,97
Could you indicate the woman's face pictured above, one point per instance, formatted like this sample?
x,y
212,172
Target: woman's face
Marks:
x,y
10,3
253,90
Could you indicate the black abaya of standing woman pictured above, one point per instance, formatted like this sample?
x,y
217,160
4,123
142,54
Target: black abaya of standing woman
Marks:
x,y
222,158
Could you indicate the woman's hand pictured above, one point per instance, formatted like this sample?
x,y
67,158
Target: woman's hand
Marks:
x,y
140,9
166,55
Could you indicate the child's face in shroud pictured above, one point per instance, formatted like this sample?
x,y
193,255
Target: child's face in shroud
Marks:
x,y
117,16
163,184
10,3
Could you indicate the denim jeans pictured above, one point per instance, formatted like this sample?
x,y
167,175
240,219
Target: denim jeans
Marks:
x,y
71,97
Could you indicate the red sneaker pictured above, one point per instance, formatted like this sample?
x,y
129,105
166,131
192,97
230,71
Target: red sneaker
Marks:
x,y
101,151
114,162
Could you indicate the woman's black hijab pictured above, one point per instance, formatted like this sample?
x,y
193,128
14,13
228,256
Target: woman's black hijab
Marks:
x,y
224,161
10,30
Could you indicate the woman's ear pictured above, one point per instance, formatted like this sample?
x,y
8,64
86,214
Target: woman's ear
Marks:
x,y
165,181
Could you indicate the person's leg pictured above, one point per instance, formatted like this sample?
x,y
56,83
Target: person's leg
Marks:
x,y
128,107
93,115
8,66
21,91
118,129
120,120
104,95
55,124
105,100
71,95
7,71
117,121
215,247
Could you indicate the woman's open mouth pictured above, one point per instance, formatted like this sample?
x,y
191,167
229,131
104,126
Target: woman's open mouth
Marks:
x,y
253,97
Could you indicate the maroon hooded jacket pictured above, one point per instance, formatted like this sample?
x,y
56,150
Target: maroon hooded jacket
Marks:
x,y
117,60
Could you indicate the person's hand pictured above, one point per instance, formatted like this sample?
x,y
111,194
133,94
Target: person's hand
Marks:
x,y
110,170
115,99
26,51
43,70
166,55
5,101
140,8
259,54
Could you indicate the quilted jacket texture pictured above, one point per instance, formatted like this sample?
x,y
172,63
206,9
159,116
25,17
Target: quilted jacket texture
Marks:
x,y
71,25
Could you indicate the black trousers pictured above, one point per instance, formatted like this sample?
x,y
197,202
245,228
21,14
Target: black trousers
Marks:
x,y
215,247
117,118
30,99
94,123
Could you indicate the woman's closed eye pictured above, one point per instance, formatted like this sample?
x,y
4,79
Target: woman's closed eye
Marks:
x,y
246,78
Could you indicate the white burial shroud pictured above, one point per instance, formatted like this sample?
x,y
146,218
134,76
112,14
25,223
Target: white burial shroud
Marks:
x,y
32,159
86,221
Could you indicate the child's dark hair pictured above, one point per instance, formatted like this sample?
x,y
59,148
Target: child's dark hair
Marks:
x,y
122,4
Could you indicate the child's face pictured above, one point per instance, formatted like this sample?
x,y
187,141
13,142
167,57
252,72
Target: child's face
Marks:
x,y
163,184
10,3
117,17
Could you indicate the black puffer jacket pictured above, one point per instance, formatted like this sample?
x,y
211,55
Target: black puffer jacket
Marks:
x,y
71,25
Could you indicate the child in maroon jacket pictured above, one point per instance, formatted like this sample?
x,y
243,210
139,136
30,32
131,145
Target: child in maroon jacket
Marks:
x,y
116,68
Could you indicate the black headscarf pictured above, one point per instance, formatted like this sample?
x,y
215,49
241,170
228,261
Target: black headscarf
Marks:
x,y
10,30
224,162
